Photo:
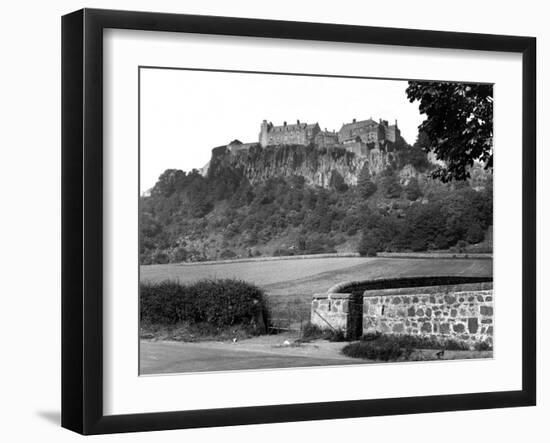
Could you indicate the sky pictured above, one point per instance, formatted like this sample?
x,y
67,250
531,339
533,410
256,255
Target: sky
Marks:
x,y
184,114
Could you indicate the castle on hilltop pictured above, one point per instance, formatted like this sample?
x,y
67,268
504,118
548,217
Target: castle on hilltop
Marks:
x,y
358,137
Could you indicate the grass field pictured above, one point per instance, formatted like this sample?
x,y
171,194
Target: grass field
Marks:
x,y
311,275
290,283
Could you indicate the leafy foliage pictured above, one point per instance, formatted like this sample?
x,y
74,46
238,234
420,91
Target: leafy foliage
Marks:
x,y
386,347
412,189
374,350
337,182
216,302
389,184
415,155
459,124
314,332
365,185
370,243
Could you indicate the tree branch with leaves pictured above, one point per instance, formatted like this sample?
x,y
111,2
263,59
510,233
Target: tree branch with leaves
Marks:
x,y
459,125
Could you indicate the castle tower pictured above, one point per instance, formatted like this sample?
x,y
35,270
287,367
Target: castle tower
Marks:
x,y
264,128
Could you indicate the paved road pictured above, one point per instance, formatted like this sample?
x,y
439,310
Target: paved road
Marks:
x,y
161,357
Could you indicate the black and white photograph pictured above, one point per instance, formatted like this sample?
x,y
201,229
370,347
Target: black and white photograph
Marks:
x,y
246,221
292,220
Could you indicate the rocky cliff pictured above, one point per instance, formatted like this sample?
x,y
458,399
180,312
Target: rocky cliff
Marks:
x,y
317,165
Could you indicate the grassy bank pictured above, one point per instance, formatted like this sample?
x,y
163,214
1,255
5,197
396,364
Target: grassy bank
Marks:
x,y
405,347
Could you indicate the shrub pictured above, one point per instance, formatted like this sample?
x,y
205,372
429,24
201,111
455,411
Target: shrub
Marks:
x,y
338,335
474,234
369,252
369,244
282,252
227,254
412,190
364,183
367,189
419,342
373,350
389,184
483,346
369,336
160,258
320,244
217,302
415,156
441,241
180,255
461,245
145,259
337,182
314,332
377,346
418,245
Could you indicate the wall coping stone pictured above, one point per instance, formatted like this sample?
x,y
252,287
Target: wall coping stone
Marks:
x,y
406,283
332,296
486,286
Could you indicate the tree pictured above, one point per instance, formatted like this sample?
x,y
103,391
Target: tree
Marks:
x,y
369,244
180,255
416,155
474,234
389,184
160,258
425,222
412,189
168,182
459,124
337,182
365,185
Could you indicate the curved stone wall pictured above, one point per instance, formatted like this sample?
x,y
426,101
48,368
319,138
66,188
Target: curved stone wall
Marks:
x,y
447,307
460,312
404,282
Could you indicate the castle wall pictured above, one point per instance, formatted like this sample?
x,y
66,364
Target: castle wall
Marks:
x,y
358,148
393,133
294,134
263,134
290,137
366,131
326,140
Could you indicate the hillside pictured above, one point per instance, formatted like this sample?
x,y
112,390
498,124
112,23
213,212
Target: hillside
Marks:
x,y
290,199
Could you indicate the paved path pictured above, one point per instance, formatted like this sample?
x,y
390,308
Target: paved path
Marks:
x,y
161,357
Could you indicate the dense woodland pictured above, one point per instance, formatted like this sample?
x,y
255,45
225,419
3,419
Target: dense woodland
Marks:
x,y
190,217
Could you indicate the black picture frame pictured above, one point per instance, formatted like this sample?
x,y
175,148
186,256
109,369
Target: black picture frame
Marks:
x,y
82,218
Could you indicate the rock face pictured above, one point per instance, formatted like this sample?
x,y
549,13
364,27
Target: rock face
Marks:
x,y
407,173
316,165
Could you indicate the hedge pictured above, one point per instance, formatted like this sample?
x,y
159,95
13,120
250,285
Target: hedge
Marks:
x,y
223,302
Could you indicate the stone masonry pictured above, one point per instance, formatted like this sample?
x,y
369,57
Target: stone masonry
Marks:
x,y
462,312
330,311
